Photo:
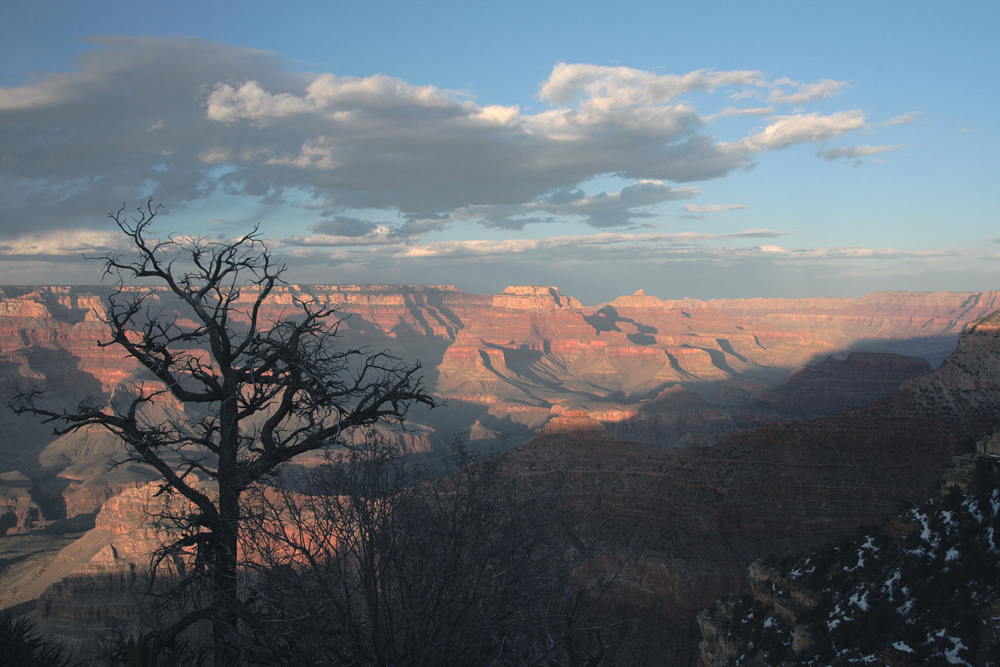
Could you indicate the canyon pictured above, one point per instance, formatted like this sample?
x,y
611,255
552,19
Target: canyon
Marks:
x,y
692,437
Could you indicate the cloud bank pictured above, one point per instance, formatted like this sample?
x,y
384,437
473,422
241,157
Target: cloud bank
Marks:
x,y
183,120
395,182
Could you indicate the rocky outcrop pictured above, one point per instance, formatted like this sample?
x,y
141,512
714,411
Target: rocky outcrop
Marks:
x,y
576,423
922,589
101,582
18,511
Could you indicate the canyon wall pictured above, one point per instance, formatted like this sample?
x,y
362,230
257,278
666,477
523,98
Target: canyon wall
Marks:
x,y
693,520
665,422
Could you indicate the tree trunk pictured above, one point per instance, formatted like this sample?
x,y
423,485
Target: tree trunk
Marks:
x,y
225,632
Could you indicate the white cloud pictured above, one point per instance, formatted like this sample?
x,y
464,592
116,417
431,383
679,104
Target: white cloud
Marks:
x,y
784,131
67,243
193,119
453,249
741,111
852,152
804,92
624,86
711,208
903,119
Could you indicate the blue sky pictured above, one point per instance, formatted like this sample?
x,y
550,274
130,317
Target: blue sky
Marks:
x,y
715,149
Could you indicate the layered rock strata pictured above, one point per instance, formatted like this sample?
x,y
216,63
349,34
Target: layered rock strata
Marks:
x,y
695,519
670,373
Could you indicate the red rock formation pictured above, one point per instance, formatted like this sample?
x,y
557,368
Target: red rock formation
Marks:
x,y
665,372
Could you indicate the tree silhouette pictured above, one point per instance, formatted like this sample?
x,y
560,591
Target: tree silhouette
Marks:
x,y
255,393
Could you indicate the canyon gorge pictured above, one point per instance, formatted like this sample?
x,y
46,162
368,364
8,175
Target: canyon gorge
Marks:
x,y
689,438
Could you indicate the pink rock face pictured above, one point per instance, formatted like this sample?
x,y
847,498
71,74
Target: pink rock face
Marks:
x,y
526,347
533,345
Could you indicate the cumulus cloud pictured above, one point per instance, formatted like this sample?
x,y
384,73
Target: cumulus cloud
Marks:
x,y
194,119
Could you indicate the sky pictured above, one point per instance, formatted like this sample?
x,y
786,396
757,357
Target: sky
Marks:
x,y
695,149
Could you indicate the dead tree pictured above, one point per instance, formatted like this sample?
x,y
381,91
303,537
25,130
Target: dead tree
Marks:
x,y
255,393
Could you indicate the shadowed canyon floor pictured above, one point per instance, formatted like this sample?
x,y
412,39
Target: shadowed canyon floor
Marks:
x,y
697,436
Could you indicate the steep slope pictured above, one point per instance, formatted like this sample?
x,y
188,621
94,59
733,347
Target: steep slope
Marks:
x,y
837,385
696,518
923,589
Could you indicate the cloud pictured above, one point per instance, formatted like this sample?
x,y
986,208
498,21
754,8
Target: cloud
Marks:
x,y
624,86
67,244
785,131
195,119
344,226
804,92
741,111
418,224
904,119
615,209
380,236
851,152
339,230
711,208
463,249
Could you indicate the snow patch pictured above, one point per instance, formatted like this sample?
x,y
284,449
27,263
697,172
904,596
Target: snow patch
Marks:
x,y
951,655
901,646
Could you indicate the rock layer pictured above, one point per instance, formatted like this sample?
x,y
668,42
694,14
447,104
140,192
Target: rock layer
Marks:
x,y
700,516
667,373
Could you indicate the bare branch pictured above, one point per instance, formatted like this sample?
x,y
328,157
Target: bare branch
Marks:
x,y
189,311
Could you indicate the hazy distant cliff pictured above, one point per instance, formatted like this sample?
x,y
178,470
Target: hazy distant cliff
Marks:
x,y
668,373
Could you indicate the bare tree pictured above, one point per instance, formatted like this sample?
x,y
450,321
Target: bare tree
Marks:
x,y
255,393
378,565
